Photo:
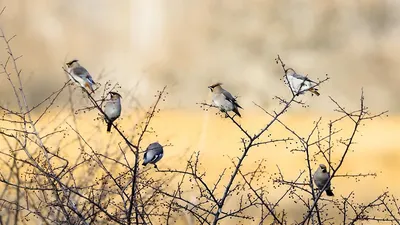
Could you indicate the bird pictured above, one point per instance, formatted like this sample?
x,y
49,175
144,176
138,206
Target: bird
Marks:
x,y
321,176
299,84
224,100
80,75
112,109
154,152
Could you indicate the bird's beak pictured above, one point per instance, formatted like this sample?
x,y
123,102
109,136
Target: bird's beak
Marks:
x,y
210,88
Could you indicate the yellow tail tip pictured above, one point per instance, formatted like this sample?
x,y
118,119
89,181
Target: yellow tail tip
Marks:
x,y
312,90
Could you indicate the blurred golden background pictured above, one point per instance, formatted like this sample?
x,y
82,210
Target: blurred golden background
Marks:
x,y
188,45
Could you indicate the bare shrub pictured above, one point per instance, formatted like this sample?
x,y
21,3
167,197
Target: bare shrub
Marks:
x,y
106,184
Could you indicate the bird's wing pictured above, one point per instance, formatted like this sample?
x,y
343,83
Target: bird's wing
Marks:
x,y
304,78
301,77
80,71
90,79
156,148
155,157
83,73
229,97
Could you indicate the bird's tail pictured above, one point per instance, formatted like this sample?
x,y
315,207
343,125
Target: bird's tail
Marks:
x,y
314,91
237,105
109,125
329,192
236,110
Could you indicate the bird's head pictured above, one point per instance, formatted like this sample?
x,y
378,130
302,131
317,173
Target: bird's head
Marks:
x,y
290,72
71,63
322,167
214,86
154,145
114,95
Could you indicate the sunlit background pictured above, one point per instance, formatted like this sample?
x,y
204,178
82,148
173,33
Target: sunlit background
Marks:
x,y
188,45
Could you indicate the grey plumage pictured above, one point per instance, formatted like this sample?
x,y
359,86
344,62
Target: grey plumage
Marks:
x,y
79,75
300,84
153,154
224,100
321,177
112,109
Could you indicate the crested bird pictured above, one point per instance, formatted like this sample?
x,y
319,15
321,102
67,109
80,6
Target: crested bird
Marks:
x,y
80,75
154,152
300,84
224,100
112,109
321,177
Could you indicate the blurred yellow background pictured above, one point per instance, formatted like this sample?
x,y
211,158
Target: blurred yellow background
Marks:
x,y
188,45
376,150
